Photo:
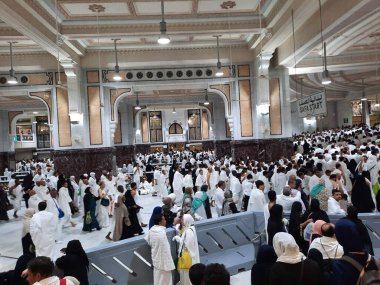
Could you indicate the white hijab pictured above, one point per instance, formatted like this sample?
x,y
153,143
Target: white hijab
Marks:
x,y
286,248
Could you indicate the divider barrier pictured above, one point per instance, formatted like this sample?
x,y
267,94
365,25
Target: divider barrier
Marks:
x,y
232,240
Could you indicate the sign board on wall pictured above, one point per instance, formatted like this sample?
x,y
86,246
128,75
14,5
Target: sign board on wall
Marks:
x,y
312,105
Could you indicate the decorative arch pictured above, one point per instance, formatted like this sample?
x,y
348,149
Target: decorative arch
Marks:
x,y
175,129
223,90
45,96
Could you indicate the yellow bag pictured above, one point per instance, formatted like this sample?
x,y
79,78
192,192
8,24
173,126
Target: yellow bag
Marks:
x,y
184,261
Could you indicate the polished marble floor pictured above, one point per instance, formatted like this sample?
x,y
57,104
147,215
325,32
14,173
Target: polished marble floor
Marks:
x,y
10,237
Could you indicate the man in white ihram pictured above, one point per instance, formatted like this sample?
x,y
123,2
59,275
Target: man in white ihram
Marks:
x,y
178,184
43,227
161,256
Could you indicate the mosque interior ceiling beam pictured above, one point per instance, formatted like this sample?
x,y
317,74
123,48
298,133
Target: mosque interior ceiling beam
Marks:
x,y
337,16
23,20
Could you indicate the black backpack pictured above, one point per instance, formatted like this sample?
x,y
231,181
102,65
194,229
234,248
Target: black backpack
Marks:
x,y
366,277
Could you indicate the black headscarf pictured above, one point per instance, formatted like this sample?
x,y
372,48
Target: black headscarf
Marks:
x,y
129,200
276,213
295,220
361,195
266,257
352,215
316,255
74,247
348,236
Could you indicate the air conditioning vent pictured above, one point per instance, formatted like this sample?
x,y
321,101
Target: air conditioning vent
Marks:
x,y
24,79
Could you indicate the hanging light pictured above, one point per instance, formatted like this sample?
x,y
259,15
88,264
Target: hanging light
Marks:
x,y
163,38
206,99
325,74
219,72
116,76
137,107
326,79
377,102
174,111
12,78
364,98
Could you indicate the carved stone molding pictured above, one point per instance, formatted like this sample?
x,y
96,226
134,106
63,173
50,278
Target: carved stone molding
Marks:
x,y
11,116
114,94
45,96
226,90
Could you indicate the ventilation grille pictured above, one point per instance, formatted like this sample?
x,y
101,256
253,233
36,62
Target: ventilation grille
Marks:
x,y
184,73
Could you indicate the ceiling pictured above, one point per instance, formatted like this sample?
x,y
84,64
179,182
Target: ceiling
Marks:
x,y
81,31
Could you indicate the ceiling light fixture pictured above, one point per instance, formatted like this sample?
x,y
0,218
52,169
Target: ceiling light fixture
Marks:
x,y
163,38
219,72
174,111
206,99
12,78
325,74
137,107
116,76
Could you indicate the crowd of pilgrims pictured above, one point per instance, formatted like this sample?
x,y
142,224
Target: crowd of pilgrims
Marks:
x,y
330,172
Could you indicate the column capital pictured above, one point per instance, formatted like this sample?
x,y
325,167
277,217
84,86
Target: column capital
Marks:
x,y
69,66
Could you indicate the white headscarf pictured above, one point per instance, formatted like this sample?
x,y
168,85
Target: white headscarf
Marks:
x,y
188,221
29,212
173,197
286,248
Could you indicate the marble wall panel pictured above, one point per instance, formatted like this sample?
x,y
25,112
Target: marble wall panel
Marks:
x,y
222,148
205,127
245,108
95,116
208,145
262,150
64,126
124,154
77,162
275,107
118,133
142,148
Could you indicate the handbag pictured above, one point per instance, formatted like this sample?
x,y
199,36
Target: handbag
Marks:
x,y
61,214
184,260
105,202
88,219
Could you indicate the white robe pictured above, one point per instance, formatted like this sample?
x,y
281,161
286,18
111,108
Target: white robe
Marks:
x,y
102,212
16,202
52,207
256,200
161,255
34,201
237,192
189,240
177,186
63,200
43,227
161,186
42,192
333,207
188,181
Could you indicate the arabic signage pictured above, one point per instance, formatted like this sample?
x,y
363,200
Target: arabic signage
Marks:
x,y
312,105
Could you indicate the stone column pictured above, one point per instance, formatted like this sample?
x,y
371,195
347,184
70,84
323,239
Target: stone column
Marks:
x,y
365,113
76,104
286,118
261,90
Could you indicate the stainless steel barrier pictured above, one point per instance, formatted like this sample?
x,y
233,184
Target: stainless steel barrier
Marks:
x,y
232,240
